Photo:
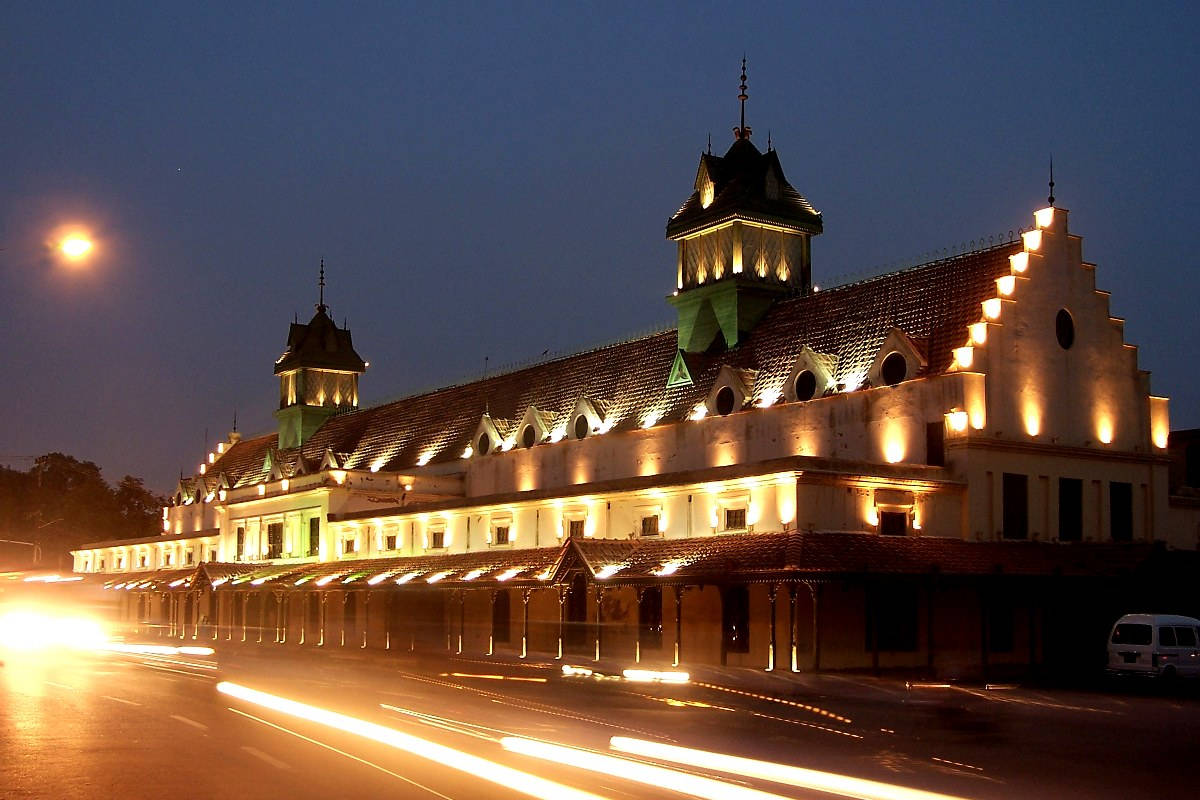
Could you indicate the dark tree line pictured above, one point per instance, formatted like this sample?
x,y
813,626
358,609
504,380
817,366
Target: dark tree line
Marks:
x,y
61,503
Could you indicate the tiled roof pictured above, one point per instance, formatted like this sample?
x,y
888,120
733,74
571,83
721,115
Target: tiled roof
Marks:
x,y
735,557
740,187
830,554
932,304
320,344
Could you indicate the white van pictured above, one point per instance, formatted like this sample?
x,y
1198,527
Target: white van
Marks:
x,y
1156,645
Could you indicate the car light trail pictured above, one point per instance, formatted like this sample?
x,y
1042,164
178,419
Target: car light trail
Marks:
x,y
653,676
513,779
831,782
636,771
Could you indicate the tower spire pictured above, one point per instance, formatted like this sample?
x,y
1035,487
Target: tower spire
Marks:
x,y
742,132
321,289
1051,197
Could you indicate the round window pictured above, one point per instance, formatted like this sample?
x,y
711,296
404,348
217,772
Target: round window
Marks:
x,y
725,401
1064,329
483,445
528,436
582,427
894,369
806,385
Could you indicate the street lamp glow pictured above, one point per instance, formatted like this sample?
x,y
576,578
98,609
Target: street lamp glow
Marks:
x,y
76,247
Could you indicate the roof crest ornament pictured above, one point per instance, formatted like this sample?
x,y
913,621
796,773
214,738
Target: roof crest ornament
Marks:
x,y
742,132
1051,197
321,289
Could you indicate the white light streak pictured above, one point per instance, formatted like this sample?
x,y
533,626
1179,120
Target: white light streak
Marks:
x,y
841,785
512,779
648,774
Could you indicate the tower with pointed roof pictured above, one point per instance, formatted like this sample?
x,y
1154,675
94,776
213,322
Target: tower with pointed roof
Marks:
x,y
318,374
744,238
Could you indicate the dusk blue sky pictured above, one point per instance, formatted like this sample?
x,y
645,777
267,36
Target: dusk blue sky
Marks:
x,y
495,181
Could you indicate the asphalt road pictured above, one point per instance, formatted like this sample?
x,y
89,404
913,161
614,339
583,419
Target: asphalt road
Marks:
x,y
120,725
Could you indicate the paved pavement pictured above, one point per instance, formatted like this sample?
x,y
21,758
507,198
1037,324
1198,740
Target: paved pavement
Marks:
x,y
96,725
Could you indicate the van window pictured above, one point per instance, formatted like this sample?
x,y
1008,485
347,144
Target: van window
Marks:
x,y
1186,637
1166,636
1129,633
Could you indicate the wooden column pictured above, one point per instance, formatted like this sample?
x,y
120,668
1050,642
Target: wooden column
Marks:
x,y
772,591
562,617
245,598
637,642
678,624
814,591
278,616
792,627
599,618
524,622
262,616
324,598
492,627
366,624
462,617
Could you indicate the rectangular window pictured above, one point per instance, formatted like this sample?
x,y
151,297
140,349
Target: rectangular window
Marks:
x,y
935,444
575,528
735,519
275,540
735,618
241,544
437,539
191,556
349,547
142,562
1166,636
1070,509
212,555
893,523
314,536
1120,511
102,565
501,536
1016,506
650,525
389,541
1185,636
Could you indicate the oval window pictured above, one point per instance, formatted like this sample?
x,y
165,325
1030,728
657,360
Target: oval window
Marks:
x,y
725,401
582,427
894,369
806,385
528,436
1064,329
483,445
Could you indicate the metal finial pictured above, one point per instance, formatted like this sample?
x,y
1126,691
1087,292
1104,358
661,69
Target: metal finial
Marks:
x,y
235,420
742,97
1051,197
710,143
321,288
768,140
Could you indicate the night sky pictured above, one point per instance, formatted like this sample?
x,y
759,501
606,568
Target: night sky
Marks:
x,y
496,181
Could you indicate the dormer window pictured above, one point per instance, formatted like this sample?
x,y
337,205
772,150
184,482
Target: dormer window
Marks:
x,y
805,385
725,401
529,436
582,427
894,369
483,445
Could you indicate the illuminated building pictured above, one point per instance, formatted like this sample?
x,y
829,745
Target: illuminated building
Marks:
x,y
885,473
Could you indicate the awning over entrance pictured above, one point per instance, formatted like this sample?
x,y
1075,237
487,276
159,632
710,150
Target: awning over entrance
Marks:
x,y
719,559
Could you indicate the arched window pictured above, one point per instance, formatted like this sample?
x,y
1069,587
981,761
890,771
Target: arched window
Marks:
x,y
725,400
805,385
